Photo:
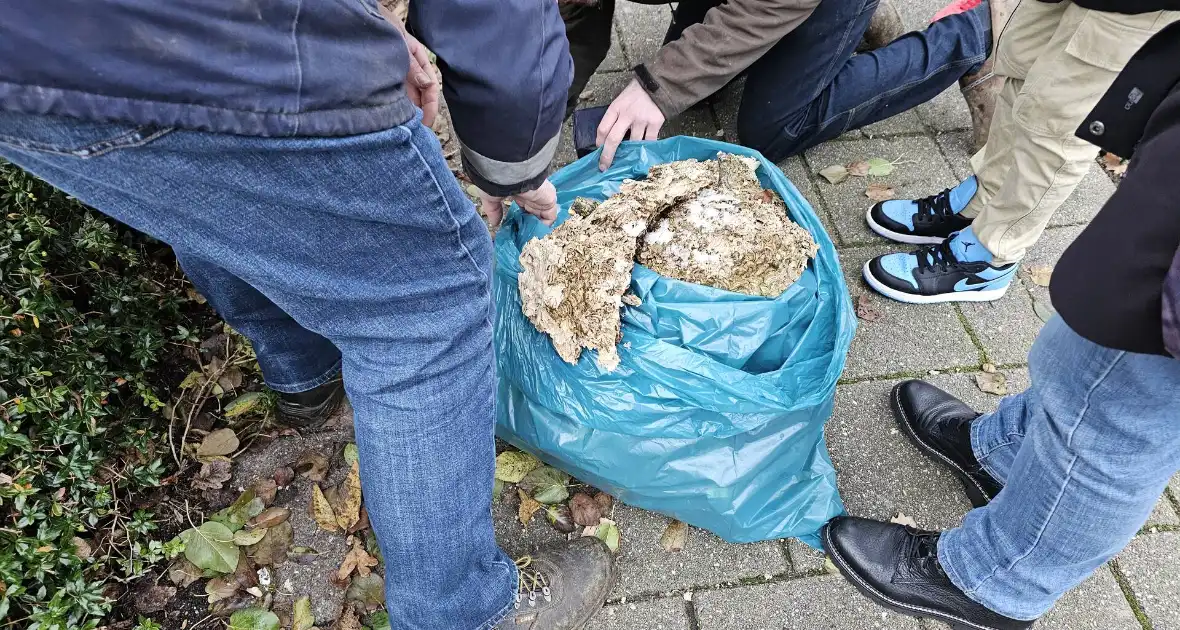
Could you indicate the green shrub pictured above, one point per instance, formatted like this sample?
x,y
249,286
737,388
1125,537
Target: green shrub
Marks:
x,y
90,313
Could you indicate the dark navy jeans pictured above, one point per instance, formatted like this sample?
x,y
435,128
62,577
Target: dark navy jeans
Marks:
x,y
811,86
360,252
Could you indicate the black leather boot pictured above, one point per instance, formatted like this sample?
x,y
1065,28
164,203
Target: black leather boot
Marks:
x,y
940,425
897,566
310,409
561,587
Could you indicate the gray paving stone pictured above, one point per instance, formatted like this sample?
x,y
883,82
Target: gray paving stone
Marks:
x,y
1152,565
815,603
667,613
908,337
726,103
1006,327
1163,514
804,559
923,172
697,121
645,568
603,88
641,28
916,14
902,122
565,146
947,111
615,60
517,540
1046,252
962,386
956,146
1087,199
879,473
1096,604
796,171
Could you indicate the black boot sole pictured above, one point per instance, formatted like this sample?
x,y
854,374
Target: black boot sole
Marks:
x,y
902,608
313,418
976,494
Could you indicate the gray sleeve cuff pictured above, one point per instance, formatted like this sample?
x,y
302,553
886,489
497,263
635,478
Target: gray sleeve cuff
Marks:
x,y
508,178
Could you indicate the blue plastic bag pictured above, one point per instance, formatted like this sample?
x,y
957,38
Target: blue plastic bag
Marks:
x,y
715,414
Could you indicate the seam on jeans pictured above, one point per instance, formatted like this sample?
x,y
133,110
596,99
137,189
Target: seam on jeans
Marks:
x,y
309,384
298,62
503,612
458,230
851,113
125,140
1065,484
830,72
1009,441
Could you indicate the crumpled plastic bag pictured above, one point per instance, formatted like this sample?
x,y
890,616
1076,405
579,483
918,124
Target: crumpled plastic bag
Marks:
x,y
715,414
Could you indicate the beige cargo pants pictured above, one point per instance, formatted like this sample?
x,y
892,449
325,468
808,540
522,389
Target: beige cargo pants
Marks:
x,y
1057,60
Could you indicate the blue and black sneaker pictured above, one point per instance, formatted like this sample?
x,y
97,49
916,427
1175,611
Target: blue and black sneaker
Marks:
x,y
926,221
958,270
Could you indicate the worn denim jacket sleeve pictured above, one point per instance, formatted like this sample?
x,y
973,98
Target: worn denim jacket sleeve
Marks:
x,y
506,69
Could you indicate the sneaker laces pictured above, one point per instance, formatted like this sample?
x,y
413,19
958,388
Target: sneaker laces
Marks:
x,y
530,583
940,256
922,550
936,206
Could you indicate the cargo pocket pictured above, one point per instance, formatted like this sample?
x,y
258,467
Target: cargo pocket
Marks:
x,y
1064,86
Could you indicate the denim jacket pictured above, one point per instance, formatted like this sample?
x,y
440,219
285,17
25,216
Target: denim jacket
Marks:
x,y
296,68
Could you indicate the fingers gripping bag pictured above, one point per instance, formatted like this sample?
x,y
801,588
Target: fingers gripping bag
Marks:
x,y
714,414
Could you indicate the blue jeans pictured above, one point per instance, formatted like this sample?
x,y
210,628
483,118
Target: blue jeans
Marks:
x,y
810,87
359,252
1084,454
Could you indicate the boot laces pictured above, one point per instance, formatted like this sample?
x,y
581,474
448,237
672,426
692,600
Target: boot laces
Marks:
x,y
532,582
922,550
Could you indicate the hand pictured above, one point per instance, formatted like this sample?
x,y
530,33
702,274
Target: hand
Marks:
x,y
421,86
541,203
633,111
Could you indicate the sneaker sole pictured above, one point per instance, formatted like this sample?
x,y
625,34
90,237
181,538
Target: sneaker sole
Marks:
x,y
909,610
909,239
989,295
975,493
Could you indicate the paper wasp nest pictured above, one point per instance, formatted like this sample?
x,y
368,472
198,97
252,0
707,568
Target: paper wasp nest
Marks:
x,y
705,222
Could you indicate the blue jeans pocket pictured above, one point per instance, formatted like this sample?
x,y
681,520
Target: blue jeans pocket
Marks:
x,y
80,139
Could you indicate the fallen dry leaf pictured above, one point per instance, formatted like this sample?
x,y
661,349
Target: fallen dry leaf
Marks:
x,y
528,506
266,490
902,519
220,588
560,518
357,560
348,510
1041,275
604,501
1114,164
880,192
348,620
219,442
585,510
272,549
270,517
213,475
361,523
182,573
512,466
858,169
994,383
835,174
674,537
322,511
311,465
283,476
989,368
302,617
865,309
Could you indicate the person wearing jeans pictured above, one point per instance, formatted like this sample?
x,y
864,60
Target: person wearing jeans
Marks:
x,y
804,81
303,195
1065,474
1056,59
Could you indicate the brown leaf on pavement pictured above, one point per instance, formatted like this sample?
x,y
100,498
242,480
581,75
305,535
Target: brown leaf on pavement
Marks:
x,y
1041,275
283,476
858,169
311,465
528,506
585,510
321,510
266,490
348,509
1114,164
604,501
865,309
994,383
272,549
835,174
348,620
361,524
357,560
182,572
220,588
675,536
880,192
270,517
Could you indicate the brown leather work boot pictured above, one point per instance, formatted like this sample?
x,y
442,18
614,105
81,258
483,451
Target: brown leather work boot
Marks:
x,y
981,88
885,27
561,587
